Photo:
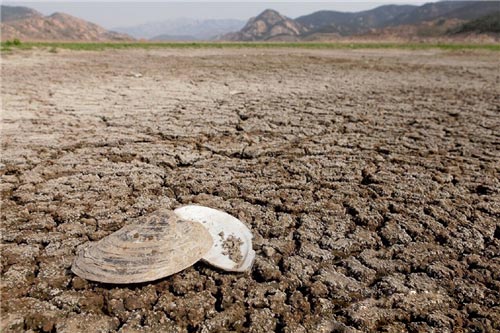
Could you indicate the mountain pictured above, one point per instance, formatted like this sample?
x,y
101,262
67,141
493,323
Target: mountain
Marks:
x,y
26,24
352,23
182,28
269,25
408,21
10,13
347,24
438,19
429,20
464,10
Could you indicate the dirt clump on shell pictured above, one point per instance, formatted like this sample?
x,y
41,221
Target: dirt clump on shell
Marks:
x,y
369,179
231,246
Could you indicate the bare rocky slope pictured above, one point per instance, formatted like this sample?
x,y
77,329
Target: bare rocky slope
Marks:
x,y
269,25
26,24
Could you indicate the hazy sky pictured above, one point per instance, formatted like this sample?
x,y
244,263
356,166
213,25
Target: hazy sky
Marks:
x,y
112,14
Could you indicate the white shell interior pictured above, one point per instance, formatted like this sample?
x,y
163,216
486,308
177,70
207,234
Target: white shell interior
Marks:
x,y
222,226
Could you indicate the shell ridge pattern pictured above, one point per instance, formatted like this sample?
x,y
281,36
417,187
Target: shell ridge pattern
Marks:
x,y
149,248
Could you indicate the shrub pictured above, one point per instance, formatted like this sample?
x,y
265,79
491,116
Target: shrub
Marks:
x,y
14,42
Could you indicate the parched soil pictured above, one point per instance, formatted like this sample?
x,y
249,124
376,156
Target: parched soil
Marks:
x,y
370,180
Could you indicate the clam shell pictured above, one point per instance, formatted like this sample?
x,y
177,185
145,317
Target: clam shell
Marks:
x,y
232,248
152,247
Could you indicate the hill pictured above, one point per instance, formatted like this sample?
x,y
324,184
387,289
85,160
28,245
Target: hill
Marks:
x,y
269,25
428,20
26,24
484,24
13,13
347,24
464,10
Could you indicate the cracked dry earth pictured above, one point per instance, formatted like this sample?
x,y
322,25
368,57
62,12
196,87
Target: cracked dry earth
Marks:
x,y
370,180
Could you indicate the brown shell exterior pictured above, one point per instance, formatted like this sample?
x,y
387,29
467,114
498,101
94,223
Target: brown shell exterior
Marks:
x,y
152,247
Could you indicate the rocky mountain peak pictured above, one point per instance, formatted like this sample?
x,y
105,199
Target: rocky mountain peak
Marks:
x,y
271,16
59,16
268,25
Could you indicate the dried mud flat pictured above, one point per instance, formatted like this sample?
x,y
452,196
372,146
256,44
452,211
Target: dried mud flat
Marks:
x,y
370,180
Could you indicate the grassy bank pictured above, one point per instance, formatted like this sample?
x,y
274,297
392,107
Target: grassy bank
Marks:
x,y
303,45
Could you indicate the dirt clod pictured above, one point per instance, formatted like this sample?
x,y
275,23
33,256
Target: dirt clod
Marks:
x,y
231,246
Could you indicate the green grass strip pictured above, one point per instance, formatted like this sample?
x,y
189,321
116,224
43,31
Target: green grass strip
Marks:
x,y
92,46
